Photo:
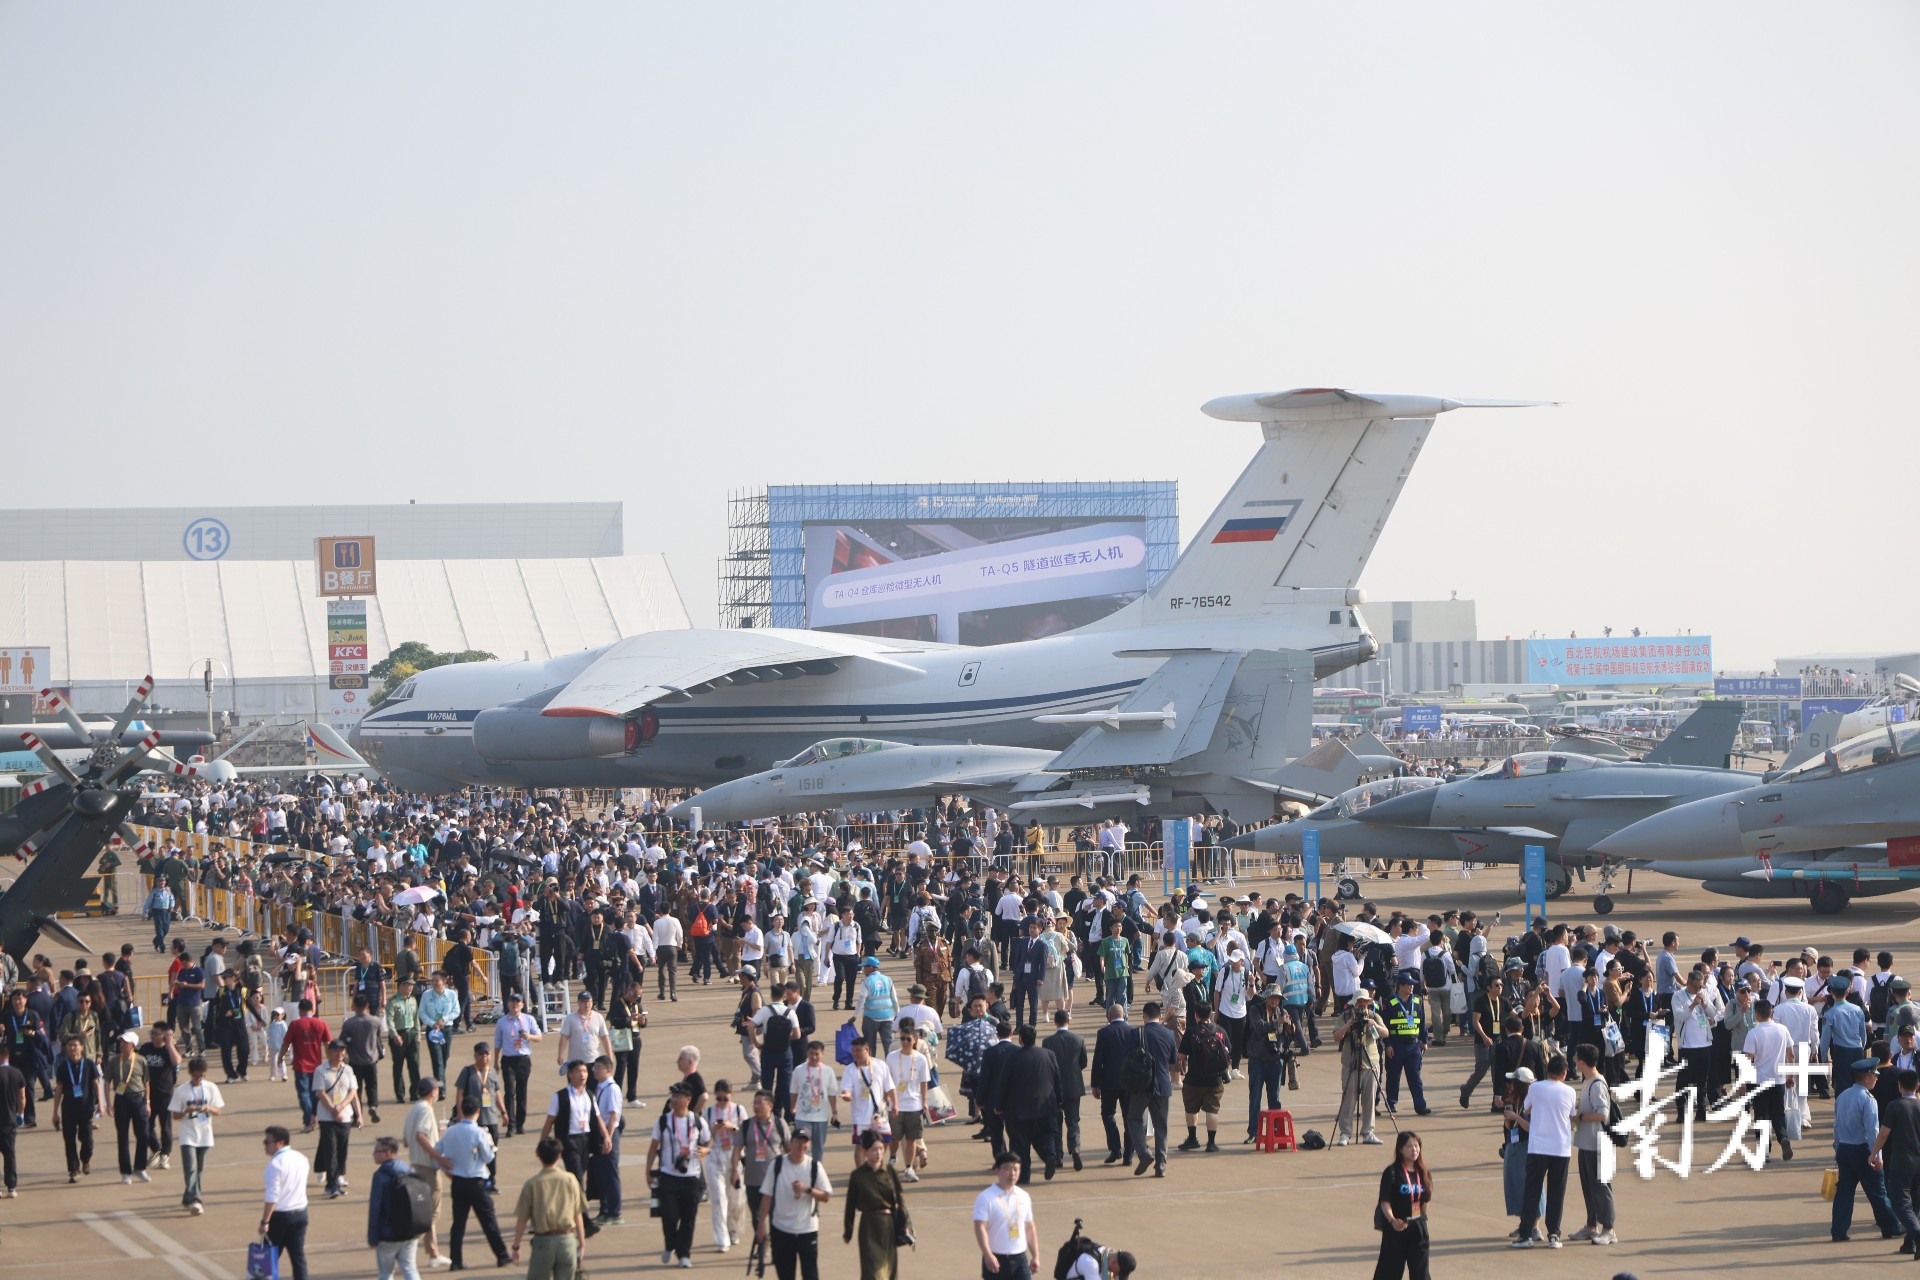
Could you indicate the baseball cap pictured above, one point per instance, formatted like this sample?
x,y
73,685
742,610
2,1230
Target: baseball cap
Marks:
x,y
130,1037
1523,1075
870,963
916,991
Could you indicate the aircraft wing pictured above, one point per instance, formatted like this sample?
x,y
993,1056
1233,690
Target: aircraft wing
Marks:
x,y
675,665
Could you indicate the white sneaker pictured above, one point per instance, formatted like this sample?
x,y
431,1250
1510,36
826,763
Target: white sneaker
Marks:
x,y
126,1179
143,1176
1236,1074
1372,1139
341,1181
1553,1242
1584,1233
442,1261
909,1176
165,1162
1341,1140
1605,1237
686,1262
666,1257
196,1209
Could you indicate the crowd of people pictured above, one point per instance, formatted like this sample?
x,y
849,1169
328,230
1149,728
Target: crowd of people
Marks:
x,y
1207,999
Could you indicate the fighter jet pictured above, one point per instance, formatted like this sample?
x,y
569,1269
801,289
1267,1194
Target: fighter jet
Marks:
x,y
1273,569
861,774
1848,819
1565,802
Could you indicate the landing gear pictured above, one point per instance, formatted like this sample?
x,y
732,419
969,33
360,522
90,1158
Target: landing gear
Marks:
x,y
1347,889
1603,905
1559,880
1828,898
1603,902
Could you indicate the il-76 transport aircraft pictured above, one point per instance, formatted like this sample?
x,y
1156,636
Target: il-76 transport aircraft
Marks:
x,y
1273,570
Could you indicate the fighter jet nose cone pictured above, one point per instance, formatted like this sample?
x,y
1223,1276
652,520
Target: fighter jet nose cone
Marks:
x,y
1414,809
1243,841
93,803
1689,833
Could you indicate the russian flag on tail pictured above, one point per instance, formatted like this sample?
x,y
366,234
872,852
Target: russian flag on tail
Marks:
x,y
1251,529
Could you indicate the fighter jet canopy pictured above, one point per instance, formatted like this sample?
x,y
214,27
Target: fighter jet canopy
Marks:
x,y
837,749
1353,802
1532,764
1880,746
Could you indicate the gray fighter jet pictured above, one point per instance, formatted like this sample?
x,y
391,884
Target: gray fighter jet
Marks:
x,y
1847,820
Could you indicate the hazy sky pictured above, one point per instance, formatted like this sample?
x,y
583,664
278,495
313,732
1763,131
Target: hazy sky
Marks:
x,y
660,253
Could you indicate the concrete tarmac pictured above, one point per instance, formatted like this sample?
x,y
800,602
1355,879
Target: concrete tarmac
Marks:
x,y
1235,1214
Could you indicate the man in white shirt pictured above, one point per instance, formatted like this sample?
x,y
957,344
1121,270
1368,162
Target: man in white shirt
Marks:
x,y
1409,945
1346,978
584,1035
1697,1008
816,1101
194,1104
794,1188
1003,1222
1549,1108
724,1119
869,1086
284,1219
668,938
1555,958
911,1070
1768,1046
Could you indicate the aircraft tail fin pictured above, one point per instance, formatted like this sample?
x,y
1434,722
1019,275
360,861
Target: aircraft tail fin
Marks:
x,y
1820,736
1704,738
1322,773
331,749
1304,516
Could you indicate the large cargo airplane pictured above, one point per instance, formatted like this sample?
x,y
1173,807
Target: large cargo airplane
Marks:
x,y
1274,569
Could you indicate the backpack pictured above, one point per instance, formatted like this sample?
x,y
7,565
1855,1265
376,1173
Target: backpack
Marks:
x,y
408,1208
1879,997
1433,971
843,1043
1210,1062
777,1035
1076,1248
1137,1071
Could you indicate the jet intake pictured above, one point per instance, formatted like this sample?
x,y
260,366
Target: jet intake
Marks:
x,y
520,733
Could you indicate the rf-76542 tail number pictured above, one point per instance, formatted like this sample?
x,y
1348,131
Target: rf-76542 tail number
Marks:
x,y
1200,602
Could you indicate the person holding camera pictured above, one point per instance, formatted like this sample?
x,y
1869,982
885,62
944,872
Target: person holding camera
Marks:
x,y
681,1140
1359,1040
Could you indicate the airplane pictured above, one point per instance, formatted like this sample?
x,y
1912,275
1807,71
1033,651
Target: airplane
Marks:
x,y
1707,718
1560,800
327,753
859,775
1848,819
1273,569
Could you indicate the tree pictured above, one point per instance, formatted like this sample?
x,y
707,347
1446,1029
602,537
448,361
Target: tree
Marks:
x,y
409,658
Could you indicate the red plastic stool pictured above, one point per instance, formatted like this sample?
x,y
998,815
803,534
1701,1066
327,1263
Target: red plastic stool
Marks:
x,y
1276,1132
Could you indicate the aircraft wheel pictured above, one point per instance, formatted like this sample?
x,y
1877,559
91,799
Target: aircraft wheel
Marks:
x,y
1557,886
1348,889
1828,899
1603,905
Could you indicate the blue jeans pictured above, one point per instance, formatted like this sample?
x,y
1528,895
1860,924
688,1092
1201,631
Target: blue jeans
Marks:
x,y
1262,1074
303,1089
1851,1157
162,921
1117,992
818,1128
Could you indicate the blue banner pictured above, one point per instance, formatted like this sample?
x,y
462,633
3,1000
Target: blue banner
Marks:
x,y
1310,865
1535,865
1420,719
1786,688
1811,707
1635,660
1179,849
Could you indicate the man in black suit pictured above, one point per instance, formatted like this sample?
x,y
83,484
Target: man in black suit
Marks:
x,y
1157,1038
1028,1099
993,1066
1070,1055
1110,1048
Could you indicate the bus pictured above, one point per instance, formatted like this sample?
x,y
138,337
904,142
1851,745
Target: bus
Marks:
x,y
1348,706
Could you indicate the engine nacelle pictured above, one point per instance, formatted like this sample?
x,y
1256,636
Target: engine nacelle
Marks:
x,y
521,733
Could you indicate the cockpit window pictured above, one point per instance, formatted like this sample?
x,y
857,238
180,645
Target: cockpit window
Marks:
x,y
1356,801
837,749
404,692
1881,746
1533,764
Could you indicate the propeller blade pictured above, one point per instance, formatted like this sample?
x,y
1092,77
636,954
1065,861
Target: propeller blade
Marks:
x,y
136,759
132,710
67,713
47,757
131,839
47,924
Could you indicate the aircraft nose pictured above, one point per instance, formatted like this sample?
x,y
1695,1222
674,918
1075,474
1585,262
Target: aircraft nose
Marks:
x,y
1281,837
1415,809
1696,832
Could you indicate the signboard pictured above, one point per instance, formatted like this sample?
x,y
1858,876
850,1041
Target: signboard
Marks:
x,y
346,662
1535,871
1811,707
1179,849
25,668
1637,660
1310,865
1420,719
1762,688
344,566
